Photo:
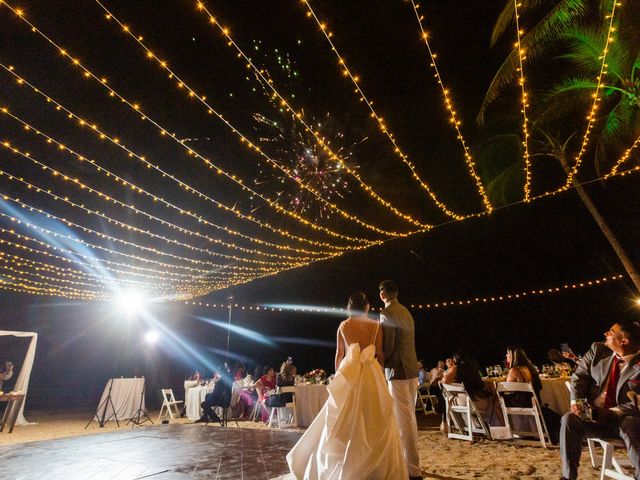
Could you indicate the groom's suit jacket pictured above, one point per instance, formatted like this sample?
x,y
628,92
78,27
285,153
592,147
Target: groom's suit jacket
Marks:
x,y
592,374
400,360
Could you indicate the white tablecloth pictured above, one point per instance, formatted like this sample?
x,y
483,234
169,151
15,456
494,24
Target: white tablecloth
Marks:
x,y
309,401
555,394
193,397
125,395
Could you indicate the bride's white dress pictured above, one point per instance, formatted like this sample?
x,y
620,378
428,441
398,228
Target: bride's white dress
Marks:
x,y
355,435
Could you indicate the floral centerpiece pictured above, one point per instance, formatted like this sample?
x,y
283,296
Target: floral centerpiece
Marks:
x,y
315,376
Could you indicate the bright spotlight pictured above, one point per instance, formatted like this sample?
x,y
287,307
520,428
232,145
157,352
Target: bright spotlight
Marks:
x,y
152,336
638,301
130,303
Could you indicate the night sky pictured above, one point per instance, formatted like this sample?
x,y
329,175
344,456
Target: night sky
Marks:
x,y
548,243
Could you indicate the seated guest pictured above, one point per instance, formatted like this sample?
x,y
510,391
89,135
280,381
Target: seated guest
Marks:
x,y
286,379
422,373
436,373
7,374
521,370
264,384
604,376
468,374
220,397
285,364
239,372
450,373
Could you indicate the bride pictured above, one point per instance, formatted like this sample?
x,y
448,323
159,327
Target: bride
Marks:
x,y
355,435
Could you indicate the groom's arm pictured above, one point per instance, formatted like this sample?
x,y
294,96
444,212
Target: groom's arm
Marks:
x,y
389,336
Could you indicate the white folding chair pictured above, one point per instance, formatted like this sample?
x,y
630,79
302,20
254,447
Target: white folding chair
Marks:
x,y
462,413
610,466
534,411
425,400
258,407
284,416
169,403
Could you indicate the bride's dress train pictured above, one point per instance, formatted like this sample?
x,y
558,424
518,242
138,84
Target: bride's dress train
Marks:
x,y
355,435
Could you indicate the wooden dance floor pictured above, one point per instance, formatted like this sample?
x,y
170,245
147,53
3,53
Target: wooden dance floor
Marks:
x,y
162,452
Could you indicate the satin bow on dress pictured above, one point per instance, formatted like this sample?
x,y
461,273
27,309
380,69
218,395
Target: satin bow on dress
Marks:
x,y
355,435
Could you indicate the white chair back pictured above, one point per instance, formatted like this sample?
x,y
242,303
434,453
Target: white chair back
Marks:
x,y
425,400
534,411
169,404
286,415
463,418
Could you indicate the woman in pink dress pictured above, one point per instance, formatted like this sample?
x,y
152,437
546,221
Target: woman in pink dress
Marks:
x,y
265,383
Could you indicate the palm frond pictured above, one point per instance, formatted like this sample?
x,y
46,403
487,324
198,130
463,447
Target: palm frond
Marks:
x,y
538,41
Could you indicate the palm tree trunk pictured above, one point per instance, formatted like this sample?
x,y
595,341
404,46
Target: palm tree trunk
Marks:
x,y
611,238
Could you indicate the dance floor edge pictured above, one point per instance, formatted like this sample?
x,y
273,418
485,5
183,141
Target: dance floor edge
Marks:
x,y
160,452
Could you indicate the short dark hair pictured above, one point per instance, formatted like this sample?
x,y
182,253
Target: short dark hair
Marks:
x,y
388,286
631,330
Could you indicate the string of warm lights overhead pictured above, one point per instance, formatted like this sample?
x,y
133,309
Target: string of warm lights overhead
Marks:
x,y
165,273
298,116
101,81
46,278
93,246
88,265
93,128
117,222
355,79
625,156
38,266
119,180
453,119
123,242
524,102
28,281
596,96
535,293
21,287
191,93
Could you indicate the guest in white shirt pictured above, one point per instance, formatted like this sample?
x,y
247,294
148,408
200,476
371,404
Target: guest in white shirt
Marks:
x,y
436,373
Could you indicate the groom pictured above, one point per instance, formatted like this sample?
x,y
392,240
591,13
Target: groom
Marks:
x,y
401,370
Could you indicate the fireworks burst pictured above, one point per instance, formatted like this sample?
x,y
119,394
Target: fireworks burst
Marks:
x,y
296,149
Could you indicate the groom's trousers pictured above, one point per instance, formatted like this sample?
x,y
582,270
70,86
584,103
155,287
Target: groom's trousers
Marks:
x,y
404,401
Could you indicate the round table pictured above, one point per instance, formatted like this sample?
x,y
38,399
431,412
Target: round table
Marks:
x,y
309,401
193,397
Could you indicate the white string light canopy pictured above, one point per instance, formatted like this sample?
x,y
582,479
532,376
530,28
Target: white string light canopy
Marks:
x,y
88,226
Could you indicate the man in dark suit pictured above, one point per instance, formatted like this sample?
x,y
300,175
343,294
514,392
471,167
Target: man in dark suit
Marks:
x,y
220,397
401,370
604,376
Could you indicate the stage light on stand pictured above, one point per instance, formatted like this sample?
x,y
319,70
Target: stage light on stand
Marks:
x,y
151,337
131,303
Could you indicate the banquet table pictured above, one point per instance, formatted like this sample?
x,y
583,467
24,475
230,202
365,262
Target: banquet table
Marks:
x,y
555,394
193,397
309,401
14,402
126,395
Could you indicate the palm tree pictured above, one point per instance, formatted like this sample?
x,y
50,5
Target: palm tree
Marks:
x,y
549,20
578,26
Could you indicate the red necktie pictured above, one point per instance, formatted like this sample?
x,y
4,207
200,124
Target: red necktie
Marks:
x,y
612,384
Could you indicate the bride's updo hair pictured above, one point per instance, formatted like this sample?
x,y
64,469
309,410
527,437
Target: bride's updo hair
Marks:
x,y
357,303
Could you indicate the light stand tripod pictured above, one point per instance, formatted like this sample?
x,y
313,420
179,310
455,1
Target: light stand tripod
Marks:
x,y
141,416
105,403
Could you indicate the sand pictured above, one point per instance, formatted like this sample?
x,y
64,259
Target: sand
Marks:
x,y
441,458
